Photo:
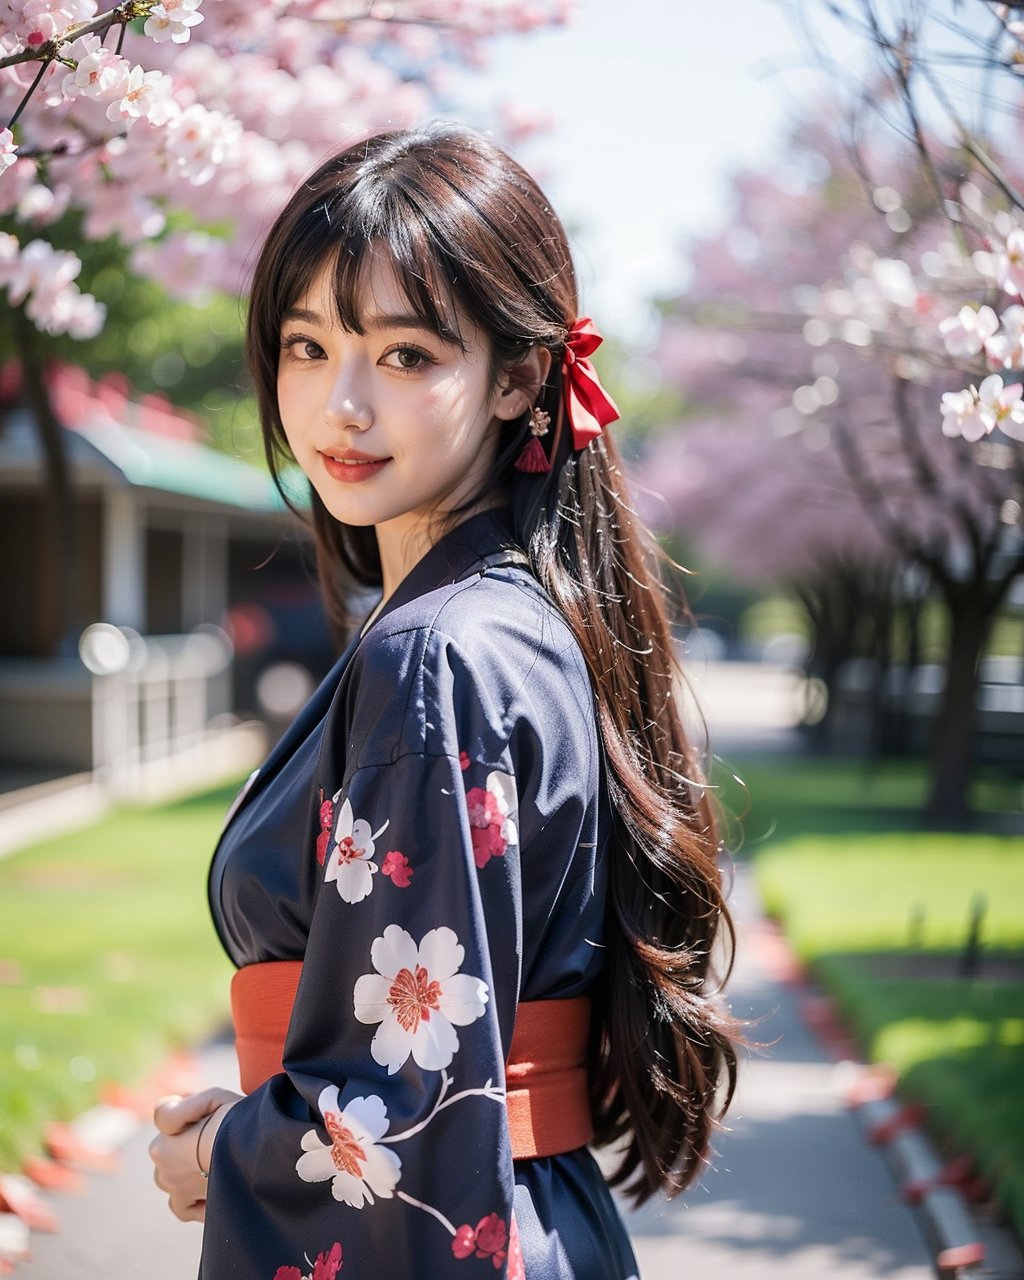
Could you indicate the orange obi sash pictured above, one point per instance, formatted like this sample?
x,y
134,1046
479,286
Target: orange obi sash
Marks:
x,y
546,1072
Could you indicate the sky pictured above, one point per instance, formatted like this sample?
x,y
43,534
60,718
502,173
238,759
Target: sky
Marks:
x,y
656,102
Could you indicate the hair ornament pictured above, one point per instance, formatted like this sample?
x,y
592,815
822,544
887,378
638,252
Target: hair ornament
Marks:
x,y
587,405
533,459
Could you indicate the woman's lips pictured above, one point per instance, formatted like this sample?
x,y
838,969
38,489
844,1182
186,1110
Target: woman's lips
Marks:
x,y
352,472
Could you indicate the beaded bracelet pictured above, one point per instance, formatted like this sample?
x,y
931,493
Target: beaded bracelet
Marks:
x,y
204,1173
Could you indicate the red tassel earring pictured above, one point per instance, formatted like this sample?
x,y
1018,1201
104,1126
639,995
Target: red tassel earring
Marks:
x,y
533,459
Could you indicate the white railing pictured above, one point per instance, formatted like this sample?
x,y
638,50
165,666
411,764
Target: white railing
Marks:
x,y
153,700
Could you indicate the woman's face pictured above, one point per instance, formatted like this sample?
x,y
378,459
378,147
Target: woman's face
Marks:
x,y
393,425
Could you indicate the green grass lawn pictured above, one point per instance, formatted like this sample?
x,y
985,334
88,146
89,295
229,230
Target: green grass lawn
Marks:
x,y
107,960
879,909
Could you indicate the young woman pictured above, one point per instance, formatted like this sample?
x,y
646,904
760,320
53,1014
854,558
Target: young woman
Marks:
x,y
472,895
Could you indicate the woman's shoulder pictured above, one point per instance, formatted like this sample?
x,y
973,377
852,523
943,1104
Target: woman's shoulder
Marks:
x,y
492,647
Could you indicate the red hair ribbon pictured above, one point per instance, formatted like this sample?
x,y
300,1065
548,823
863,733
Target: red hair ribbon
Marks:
x,y
588,406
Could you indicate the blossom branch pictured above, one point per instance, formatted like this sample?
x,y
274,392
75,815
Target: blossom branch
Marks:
x,y
488,1090
50,50
434,1213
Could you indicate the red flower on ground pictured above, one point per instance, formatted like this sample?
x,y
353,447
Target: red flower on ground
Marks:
x,y
396,865
326,819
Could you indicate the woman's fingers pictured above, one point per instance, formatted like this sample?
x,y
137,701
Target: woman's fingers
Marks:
x,y
174,1114
186,1210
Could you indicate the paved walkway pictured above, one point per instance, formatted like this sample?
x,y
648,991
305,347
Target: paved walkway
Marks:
x,y
795,1193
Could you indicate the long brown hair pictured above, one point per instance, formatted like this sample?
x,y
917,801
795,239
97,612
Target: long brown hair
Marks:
x,y
464,223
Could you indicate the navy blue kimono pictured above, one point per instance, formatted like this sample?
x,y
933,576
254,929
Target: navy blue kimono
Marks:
x,y
430,838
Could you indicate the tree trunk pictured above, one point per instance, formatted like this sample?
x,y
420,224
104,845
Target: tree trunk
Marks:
x,y
59,504
970,614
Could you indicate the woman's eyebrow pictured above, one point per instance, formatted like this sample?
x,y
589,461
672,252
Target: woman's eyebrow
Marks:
x,y
374,322
307,317
397,321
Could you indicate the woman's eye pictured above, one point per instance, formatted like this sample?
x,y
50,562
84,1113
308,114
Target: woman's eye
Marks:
x,y
296,344
408,359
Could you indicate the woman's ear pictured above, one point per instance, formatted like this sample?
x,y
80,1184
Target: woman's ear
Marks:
x,y
519,385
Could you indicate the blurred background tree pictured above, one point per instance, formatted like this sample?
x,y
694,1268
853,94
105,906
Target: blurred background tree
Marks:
x,y
814,344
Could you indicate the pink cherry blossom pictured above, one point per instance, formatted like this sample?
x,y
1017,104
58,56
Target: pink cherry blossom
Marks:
x,y
101,73
213,111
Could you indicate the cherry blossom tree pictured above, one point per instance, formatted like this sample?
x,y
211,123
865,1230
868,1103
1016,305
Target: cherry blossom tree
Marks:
x,y
178,129
817,449
930,71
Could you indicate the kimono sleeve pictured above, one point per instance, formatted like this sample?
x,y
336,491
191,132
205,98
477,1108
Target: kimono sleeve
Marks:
x,y
384,1146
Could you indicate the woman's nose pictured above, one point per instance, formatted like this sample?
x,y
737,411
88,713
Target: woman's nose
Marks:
x,y
348,404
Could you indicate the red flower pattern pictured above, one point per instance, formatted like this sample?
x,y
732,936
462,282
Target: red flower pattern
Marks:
x,y
516,1266
412,996
462,1246
396,865
326,1267
486,820
463,760
324,838
486,1240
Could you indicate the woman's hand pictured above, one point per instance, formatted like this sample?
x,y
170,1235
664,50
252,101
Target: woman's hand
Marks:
x,y
181,1152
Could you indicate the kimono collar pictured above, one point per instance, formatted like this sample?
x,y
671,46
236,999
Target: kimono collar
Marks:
x,y
474,541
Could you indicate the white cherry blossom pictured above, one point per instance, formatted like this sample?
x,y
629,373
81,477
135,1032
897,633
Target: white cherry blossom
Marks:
x,y
172,20
968,331
1011,264
358,1168
1002,406
8,150
961,416
418,997
141,93
101,73
1005,350
350,865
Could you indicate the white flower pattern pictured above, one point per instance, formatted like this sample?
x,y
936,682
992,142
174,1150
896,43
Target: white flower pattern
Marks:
x,y
418,997
350,865
359,1169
